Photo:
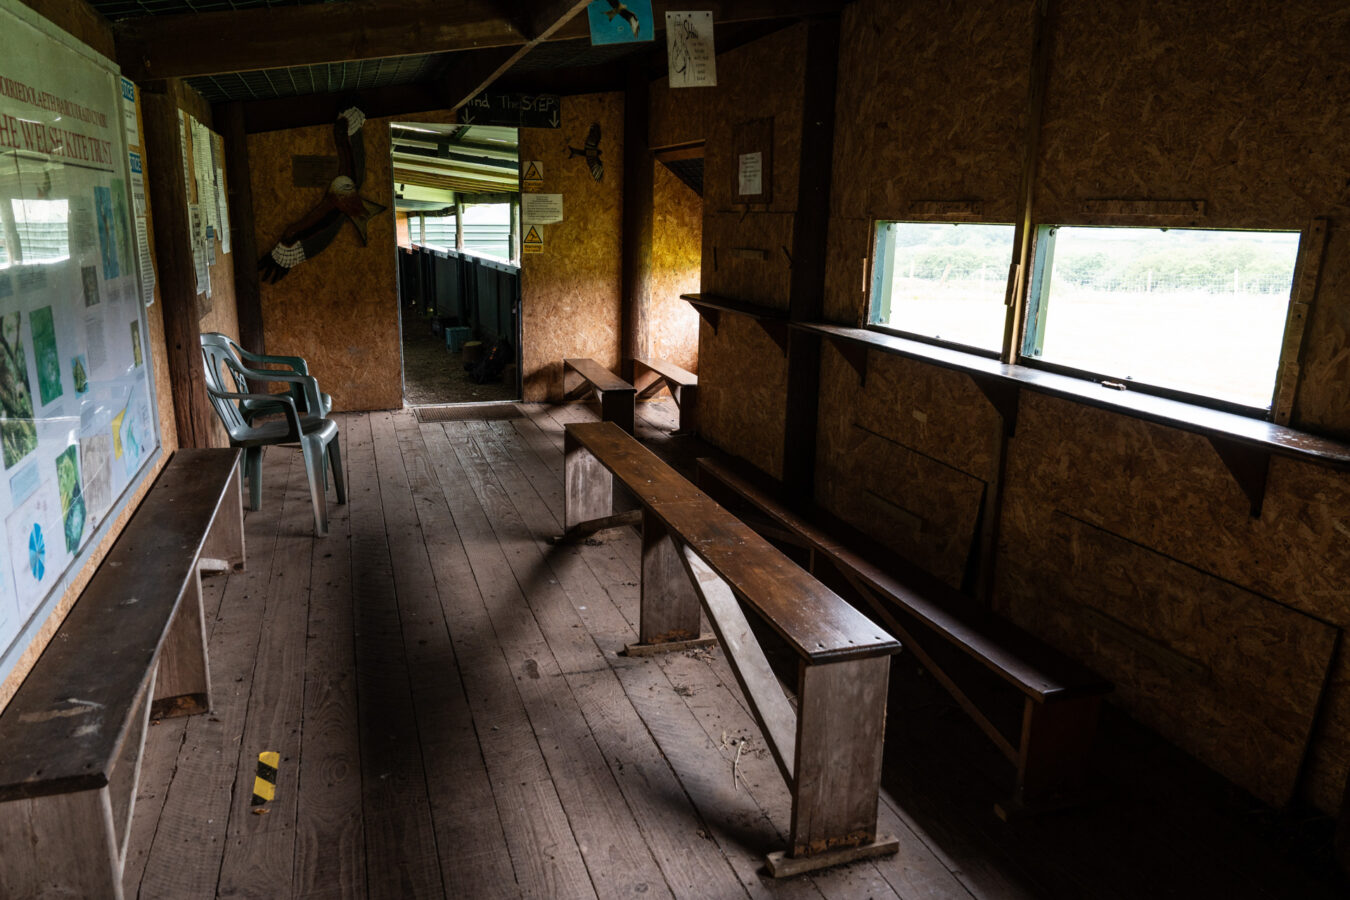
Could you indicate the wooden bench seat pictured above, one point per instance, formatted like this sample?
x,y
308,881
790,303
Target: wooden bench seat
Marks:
x,y
650,375
698,557
616,395
133,646
1061,696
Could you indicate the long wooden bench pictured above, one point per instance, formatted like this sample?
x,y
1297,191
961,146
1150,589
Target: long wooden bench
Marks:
x,y
697,555
1061,698
616,395
650,375
132,647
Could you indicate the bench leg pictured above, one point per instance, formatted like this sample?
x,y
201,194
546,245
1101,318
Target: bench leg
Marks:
x,y
224,546
588,487
686,398
183,685
61,845
1052,758
617,407
671,611
841,727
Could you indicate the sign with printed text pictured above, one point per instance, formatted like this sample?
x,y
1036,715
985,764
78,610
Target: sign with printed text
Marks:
x,y
541,209
512,109
534,240
689,47
532,175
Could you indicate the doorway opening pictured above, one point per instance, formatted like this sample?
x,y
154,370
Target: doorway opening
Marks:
x,y
457,203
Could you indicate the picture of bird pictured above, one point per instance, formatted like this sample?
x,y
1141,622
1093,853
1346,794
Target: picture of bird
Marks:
x,y
617,8
342,202
591,152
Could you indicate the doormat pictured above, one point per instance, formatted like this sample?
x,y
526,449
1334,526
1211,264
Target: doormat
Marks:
x,y
467,412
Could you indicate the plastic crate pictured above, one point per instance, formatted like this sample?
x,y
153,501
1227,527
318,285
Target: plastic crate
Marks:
x,y
456,336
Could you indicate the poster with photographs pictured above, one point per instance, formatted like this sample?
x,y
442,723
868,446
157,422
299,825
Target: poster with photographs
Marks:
x,y
77,429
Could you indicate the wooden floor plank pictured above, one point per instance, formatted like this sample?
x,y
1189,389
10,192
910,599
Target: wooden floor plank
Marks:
x,y
645,779
401,857
463,808
544,851
184,857
330,859
616,855
260,848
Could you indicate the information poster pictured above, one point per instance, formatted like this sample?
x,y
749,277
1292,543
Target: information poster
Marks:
x,y
78,427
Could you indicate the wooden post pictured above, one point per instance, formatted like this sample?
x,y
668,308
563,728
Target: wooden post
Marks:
x,y
588,487
809,235
243,239
173,262
60,845
670,609
1052,758
841,726
183,683
638,216
223,549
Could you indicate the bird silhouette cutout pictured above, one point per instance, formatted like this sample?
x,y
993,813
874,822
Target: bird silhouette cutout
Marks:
x,y
623,12
342,202
591,151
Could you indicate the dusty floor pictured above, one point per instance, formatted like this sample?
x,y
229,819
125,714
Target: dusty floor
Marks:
x,y
432,374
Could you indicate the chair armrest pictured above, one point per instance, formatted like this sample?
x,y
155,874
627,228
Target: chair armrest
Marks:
x,y
286,401
296,363
308,385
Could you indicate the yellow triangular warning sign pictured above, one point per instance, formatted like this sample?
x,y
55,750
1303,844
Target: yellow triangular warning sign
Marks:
x,y
534,241
532,172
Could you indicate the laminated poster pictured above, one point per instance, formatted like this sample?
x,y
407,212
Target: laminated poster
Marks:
x,y
75,384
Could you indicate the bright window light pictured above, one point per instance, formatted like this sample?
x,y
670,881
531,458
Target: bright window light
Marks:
x,y
942,281
1200,312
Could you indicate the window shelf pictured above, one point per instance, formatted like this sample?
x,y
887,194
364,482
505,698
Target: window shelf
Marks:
x,y
773,321
1244,444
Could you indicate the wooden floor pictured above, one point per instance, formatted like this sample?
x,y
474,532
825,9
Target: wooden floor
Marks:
x,y
443,688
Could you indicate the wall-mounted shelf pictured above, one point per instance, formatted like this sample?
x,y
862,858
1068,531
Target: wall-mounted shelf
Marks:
x,y
773,321
1245,445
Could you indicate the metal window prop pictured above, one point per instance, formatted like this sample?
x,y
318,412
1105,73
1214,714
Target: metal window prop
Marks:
x,y
78,427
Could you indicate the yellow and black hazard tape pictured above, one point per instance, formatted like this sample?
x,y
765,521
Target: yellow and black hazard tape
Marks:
x,y
265,781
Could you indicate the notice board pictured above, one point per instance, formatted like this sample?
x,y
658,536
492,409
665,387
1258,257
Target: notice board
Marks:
x,y
78,423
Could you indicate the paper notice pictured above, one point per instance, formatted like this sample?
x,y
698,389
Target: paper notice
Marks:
x,y
750,174
147,264
541,209
689,42
222,202
129,123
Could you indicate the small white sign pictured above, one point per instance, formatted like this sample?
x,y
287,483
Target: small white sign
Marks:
x,y
541,209
689,45
750,174
129,123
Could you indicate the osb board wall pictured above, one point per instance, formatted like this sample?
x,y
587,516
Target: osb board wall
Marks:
x,y
339,310
1240,105
742,383
742,372
906,458
570,291
222,313
76,20
1129,545
931,107
79,20
677,239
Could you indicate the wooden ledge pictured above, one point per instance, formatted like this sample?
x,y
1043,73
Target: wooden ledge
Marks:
x,y
1244,444
711,306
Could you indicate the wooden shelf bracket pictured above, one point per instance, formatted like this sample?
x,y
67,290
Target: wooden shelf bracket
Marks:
x,y
1249,466
1004,397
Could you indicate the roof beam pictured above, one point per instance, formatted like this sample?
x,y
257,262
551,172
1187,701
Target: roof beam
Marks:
x,y
214,43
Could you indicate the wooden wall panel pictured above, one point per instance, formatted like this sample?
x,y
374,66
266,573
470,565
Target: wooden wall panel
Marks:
x,y
898,460
339,310
677,241
741,388
1239,104
748,257
1323,400
848,284
570,291
932,105
1179,533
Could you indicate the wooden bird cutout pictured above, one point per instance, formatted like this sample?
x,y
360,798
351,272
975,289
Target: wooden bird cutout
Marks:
x,y
591,151
342,202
